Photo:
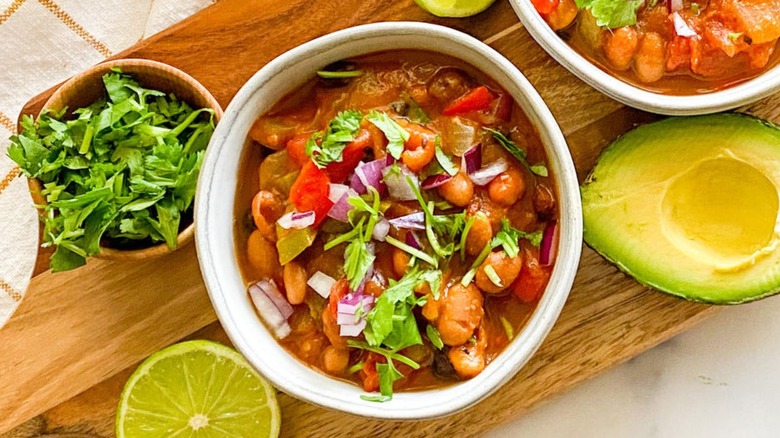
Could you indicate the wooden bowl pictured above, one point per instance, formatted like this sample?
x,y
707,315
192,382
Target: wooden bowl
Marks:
x,y
87,87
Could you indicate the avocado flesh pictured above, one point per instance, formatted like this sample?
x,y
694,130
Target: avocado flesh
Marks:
x,y
690,206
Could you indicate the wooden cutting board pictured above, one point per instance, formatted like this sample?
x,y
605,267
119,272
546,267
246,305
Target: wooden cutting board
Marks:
x,y
78,335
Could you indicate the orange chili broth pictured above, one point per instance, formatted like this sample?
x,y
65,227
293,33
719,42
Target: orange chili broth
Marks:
x,y
512,309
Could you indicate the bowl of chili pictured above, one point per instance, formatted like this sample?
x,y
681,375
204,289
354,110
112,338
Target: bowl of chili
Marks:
x,y
341,122
674,57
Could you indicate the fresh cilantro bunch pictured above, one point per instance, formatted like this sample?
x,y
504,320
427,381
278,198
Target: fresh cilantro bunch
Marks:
x,y
124,170
612,13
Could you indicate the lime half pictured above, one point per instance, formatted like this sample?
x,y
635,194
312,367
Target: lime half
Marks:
x,y
197,389
454,8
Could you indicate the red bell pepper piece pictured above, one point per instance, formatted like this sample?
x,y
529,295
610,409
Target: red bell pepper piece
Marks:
x,y
533,277
296,148
545,7
350,157
310,192
477,99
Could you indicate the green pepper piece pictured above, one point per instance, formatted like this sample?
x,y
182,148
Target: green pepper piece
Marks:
x,y
293,242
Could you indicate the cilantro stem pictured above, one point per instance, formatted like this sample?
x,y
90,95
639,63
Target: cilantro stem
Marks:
x,y
324,74
349,235
389,354
465,234
478,261
190,118
411,250
355,368
87,141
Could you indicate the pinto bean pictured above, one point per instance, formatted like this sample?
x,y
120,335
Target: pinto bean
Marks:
x,y
506,268
335,360
266,210
544,201
460,313
507,188
262,255
470,359
479,235
649,61
449,84
458,191
620,46
294,282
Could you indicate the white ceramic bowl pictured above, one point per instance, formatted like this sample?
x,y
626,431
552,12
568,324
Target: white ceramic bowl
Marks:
x,y
215,222
732,97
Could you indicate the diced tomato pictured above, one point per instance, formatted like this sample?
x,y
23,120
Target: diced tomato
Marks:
x,y
477,99
296,148
310,192
353,153
678,54
338,291
369,374
545,7
759,18
533,277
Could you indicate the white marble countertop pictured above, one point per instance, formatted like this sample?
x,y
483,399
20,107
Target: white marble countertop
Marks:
x,y
720,379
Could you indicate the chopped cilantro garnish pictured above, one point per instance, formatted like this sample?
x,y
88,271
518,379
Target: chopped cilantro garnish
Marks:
x,y
509,237
734,36
517,152
434,337
124,170
612,13
415,114
341,130
493,276
469,275
444,160
414,252
396,135
324,74
695,8
510,332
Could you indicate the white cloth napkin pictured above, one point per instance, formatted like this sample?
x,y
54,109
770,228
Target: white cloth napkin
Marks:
x,y
42,43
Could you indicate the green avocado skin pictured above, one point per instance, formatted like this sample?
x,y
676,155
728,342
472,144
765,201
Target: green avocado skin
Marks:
x,y
616,240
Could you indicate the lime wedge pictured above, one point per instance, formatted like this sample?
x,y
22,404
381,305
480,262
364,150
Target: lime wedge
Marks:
x,y
197,389
454,8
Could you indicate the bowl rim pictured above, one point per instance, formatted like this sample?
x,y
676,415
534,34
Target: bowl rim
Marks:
x,y
542,319
741,94
185,235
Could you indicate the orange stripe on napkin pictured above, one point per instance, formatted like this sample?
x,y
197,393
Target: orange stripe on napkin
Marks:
x,y
75,27
16,296
8,178
7,122
5,15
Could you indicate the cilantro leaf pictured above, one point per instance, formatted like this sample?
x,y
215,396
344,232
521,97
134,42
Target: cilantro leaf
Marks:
x,y
517,152
509,237
434,336
341,131
396,135
388,374
445,161
612,13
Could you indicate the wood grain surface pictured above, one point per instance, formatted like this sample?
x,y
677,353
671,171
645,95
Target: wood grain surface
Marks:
x,y
78,335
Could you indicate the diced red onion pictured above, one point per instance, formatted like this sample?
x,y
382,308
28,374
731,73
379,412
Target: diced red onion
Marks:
x,y
352,330
676,5
321,283
681,26
336,191
397,183
412,221
549,244
472,159
434,181
368,174
351,302
341,208
381,229
296,220
413,241
486,174
272,306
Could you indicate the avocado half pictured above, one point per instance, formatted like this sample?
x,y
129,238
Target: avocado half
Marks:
x,y
689,206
